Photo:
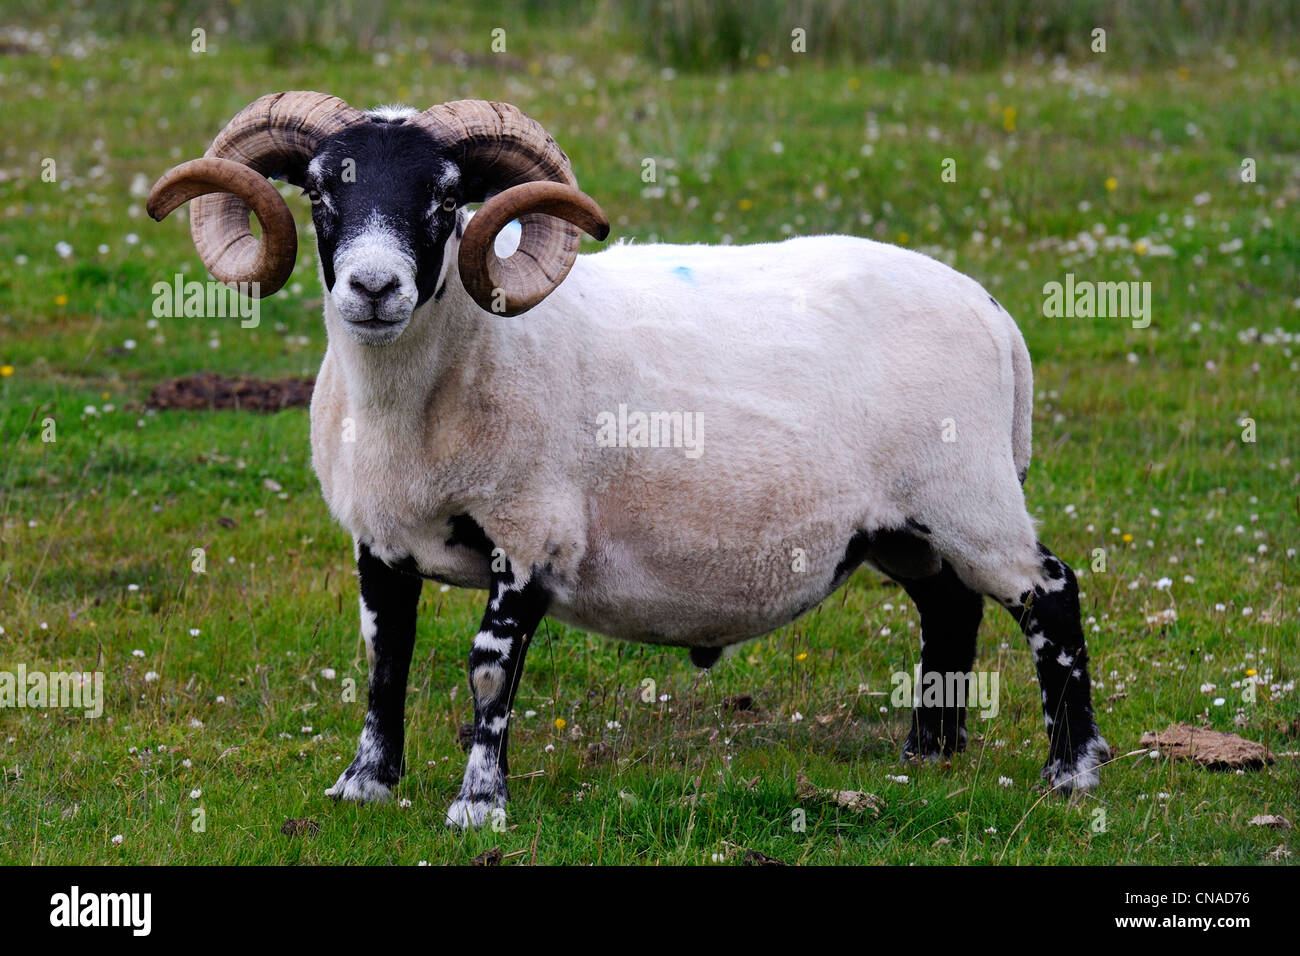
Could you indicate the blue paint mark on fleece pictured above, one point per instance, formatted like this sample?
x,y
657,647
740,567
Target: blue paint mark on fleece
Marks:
x,y
683,273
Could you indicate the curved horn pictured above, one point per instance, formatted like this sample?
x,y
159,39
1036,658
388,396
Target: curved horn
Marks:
x,y
272,134
502,151
242,259
544,256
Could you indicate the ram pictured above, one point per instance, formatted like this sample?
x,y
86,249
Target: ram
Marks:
x,y
486,424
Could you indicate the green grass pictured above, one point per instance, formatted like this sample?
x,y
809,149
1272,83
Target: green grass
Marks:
x,y
97,528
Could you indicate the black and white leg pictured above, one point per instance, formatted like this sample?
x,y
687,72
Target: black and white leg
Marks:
x,y
950,620
516,605
1048,614
389,601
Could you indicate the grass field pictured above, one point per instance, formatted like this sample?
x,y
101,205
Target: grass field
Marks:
x,y
224,690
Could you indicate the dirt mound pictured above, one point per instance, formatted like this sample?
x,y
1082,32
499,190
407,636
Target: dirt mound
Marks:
x,y
211,391
300,826
1209,748
859,801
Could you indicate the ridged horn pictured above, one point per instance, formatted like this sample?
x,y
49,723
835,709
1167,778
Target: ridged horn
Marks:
x,y
523,174
274,133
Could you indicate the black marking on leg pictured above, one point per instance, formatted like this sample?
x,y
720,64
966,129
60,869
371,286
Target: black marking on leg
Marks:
x,y
705,657
1050,618
441,289
496,664
392,596
1053,567
950,620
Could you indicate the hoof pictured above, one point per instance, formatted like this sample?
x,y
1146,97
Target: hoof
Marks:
x,y
1080,774
360,786
470,813
923,745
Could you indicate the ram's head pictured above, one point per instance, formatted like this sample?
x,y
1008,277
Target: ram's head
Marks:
x,y
385,188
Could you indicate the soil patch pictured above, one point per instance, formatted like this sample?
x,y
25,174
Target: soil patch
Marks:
x,y
208,390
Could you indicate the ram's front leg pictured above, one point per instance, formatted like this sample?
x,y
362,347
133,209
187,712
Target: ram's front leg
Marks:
x,y
516,604
389,599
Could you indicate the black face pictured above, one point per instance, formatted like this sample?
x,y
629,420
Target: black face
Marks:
x,y
384,202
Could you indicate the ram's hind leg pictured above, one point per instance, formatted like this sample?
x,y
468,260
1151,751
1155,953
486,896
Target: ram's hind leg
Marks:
x,y
1048,613
1041,592
516,606
950,620
389,600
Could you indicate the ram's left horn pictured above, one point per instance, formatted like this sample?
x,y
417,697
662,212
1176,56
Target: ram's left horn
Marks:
x,y
506,151
514,285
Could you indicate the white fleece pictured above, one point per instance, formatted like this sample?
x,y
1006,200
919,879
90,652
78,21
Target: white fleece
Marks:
x,y
828,372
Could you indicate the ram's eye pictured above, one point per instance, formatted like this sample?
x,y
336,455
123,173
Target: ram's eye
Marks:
x,y
448,204
313,195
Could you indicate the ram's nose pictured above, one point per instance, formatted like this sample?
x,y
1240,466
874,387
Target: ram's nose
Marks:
x,y
375,286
